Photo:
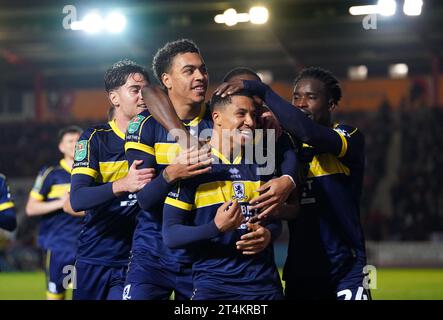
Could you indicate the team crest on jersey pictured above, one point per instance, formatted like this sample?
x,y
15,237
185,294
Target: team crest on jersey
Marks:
x,y
239,191
80,150
343,132
134,124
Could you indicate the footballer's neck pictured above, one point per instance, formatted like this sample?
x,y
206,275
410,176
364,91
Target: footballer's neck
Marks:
x,y
185,110
223,144
69,161
122,122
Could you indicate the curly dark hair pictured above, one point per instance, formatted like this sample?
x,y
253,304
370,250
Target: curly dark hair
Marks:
x,y
330,82
163,58
118,74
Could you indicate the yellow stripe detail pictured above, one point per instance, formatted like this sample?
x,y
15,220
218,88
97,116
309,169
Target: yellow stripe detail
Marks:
x,y
58,296
58,190
139,146
6,205
141,127
178,204
326,164
48,260
165,153
116,130
36,195
113,170
65,166
344,145
353,132
87,171
197,119
224,160
215,192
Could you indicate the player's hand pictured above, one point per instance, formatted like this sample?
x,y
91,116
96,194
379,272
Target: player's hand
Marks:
x,y
229,87
229,216
255,241
135,180
272,195
62,200
269,121
189,163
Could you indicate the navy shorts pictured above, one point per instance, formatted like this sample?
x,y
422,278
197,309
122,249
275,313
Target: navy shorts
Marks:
x,y
95,282
59,267
212,294
148,282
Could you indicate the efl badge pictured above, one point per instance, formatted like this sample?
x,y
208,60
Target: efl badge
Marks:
x,y
80,150
239,190
134,124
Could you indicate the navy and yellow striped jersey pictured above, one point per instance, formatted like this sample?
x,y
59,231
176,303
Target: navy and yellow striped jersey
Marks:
x,y
326,238
7,212
108,228
145,134
218,264
58,230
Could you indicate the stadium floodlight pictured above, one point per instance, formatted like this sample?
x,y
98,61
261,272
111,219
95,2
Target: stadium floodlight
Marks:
x,y
258,15
358,72
387,7
115,22
92,22
230,17
398,70
363,10
412,7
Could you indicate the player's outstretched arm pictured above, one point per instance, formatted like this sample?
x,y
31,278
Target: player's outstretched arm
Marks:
x,y
68,209
161,108
35,207
178,234
290,117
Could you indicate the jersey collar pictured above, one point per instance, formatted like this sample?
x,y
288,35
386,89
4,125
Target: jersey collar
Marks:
x,y
116,129
223,159
197,119
64,165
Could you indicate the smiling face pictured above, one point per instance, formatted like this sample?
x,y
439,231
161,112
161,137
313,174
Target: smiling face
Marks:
x,y
236,120
127,99
187,79
311,97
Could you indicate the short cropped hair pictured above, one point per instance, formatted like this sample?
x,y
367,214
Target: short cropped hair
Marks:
x,y
330,82
162,61
219,101
118,74
70,129
240,71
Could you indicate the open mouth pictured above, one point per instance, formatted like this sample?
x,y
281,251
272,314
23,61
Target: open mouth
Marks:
x,y
142,106
200,89
246,133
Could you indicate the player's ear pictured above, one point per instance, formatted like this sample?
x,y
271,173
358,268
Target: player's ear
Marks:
x,y
114,98
331,105
216,117
166,80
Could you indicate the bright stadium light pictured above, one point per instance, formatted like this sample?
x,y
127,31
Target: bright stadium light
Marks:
x,y
412,7
230,17
92,23
258,15
115,22
387,7
398,70
363,10
358,72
